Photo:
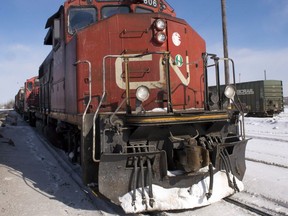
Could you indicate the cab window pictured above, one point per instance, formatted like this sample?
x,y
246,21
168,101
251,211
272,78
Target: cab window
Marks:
x,y
29,86
80,18
109,11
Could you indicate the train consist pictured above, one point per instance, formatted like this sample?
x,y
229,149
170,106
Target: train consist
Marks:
x,y
124,91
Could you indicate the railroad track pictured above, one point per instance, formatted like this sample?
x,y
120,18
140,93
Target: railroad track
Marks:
x,y
263,137
254,209
245,206
267,163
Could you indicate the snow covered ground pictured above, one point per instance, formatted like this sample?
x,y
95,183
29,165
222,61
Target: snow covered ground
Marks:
x,y
33,182
269,141
267,163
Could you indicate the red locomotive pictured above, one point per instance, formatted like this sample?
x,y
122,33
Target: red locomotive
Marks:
x,y
27,100
19,101
31,99
126,89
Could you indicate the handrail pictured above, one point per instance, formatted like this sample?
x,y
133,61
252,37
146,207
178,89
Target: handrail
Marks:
x,y
216,64
90,92
233,67
94,128
100,104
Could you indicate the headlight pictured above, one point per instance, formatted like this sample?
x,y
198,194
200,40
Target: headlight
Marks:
x,y
142,93
230,91
160,25
161,37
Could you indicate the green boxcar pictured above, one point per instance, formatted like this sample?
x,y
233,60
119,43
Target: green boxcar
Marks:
x,y
261,98
258,98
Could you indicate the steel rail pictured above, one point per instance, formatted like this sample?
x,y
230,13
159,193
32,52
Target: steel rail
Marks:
x,y
247,207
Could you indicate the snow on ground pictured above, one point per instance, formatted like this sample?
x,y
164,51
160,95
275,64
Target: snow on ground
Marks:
x,y
269,141
272,152
275,127
266,177
32,181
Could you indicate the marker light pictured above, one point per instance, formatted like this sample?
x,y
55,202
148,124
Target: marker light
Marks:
x,y
142,93
161,37
160,24
229,91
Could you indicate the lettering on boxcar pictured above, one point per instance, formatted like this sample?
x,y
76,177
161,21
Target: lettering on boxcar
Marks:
x,y
245,92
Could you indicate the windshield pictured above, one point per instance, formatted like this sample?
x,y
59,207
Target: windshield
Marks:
x,y
29,86
111,10
80,18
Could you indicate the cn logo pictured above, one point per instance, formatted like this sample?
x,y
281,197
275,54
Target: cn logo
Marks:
x,y
176,38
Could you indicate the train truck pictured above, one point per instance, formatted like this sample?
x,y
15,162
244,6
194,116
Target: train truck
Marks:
x,y
125,90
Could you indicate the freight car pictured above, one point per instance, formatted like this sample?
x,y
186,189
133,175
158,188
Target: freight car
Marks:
x,y
125,90
261,98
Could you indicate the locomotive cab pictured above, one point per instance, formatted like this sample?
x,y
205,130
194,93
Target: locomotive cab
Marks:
x,y
125,86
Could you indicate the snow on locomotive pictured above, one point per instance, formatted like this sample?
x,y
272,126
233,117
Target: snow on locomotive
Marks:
x,y
125,90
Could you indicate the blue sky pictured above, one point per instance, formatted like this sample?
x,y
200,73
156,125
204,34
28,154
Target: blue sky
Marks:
x,y
257,31
255,24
